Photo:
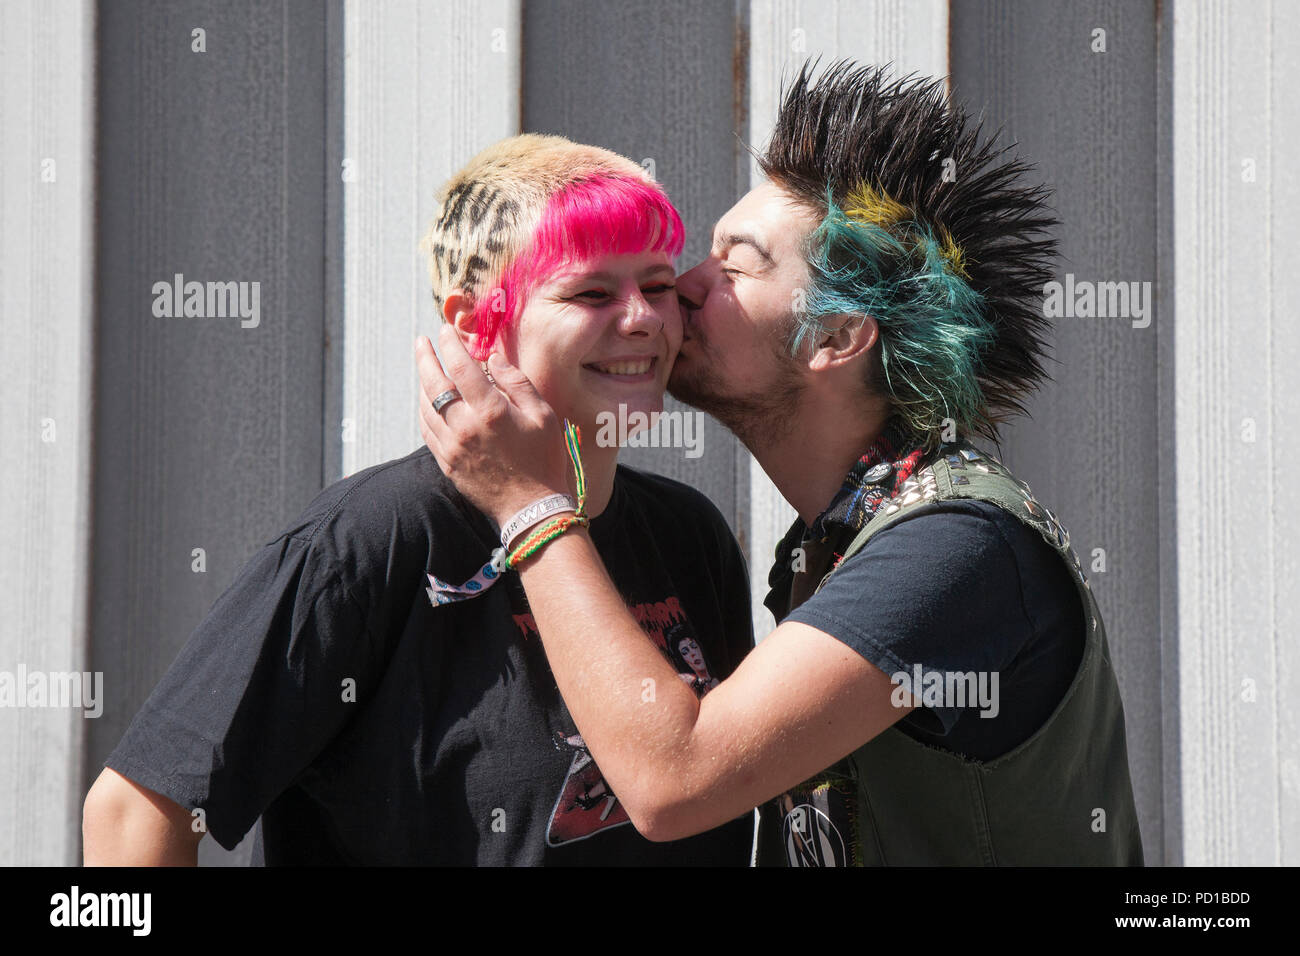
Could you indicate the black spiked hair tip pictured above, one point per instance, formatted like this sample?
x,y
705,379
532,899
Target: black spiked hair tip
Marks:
x,y
852,124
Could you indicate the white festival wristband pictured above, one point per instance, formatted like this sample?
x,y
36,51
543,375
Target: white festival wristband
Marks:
x,y
536,512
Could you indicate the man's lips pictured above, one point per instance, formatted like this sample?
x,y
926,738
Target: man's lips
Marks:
x,y
688,323
630,368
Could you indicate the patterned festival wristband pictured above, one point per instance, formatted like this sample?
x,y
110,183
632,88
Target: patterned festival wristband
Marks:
x,y
444,592
504,559
534,514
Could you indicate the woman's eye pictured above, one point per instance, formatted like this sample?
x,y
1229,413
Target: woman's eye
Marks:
x,y
592,295
730,273
659,289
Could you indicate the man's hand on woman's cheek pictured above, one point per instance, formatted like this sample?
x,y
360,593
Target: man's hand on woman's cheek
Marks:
x,y
503,446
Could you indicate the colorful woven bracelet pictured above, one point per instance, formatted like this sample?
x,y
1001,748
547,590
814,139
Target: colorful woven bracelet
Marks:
x,y
528,518
543,537
442,592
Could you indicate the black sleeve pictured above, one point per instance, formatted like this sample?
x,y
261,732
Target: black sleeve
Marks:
x,y
256,692
941,589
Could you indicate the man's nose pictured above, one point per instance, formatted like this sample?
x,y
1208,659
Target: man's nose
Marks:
x,y
691,288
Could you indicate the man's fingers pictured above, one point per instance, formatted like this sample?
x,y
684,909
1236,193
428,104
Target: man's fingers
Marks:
x,y
463,371
433,382
432,443
516,385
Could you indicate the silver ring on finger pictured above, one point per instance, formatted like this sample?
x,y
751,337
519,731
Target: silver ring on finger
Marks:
x,y
445,399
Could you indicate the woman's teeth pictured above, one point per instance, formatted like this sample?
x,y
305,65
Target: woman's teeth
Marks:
x,y
624,368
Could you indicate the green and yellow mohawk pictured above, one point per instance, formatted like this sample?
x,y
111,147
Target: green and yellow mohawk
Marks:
x,y
926,227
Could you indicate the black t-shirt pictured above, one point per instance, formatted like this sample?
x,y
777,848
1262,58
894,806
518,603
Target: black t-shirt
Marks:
x,y
326,694
963,586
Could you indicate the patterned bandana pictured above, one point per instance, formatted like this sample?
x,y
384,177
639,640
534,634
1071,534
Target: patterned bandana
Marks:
x,y
889,461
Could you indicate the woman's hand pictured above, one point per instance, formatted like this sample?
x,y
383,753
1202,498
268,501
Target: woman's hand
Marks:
x,y
504,446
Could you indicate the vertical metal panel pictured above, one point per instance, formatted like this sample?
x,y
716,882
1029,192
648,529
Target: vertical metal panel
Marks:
x,y
46,197
664,91
1090,448
1167,453
210,165
783,34
1236,205
426,86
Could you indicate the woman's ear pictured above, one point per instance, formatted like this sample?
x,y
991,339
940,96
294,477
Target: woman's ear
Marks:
x,y
458,311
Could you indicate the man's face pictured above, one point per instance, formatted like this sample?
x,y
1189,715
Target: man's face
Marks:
x,y
737,307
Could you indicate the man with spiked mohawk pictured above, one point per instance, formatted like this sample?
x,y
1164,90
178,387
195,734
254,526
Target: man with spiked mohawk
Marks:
x,y
938,689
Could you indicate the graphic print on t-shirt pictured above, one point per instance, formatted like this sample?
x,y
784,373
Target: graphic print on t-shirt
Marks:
x,y
586,804
819,825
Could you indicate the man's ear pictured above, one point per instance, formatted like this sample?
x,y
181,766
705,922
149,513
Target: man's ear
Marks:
x,y
851,337
458,311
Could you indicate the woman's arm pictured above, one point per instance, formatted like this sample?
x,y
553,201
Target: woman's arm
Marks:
x,y
125,824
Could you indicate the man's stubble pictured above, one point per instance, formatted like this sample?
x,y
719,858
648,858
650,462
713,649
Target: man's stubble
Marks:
x,y
758,414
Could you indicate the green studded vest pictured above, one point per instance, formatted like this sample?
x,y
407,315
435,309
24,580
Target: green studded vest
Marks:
x,y
1061,797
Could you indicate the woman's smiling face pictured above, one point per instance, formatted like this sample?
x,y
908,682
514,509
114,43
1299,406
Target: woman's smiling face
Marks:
x,y
599,335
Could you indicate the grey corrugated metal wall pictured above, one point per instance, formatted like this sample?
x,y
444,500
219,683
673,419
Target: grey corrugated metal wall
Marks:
x,y
1089,451
208,434
1229,416
300,150
46,257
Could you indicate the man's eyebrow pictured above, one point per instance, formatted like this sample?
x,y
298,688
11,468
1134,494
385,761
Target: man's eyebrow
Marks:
x,y
745,239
